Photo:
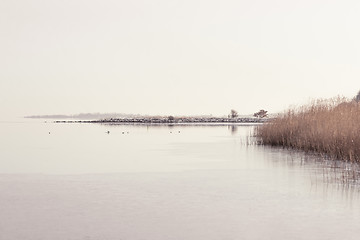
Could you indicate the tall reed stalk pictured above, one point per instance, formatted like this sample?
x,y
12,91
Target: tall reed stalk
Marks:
x,y
330,127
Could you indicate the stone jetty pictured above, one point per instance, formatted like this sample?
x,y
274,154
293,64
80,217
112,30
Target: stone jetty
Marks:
x,y
172,120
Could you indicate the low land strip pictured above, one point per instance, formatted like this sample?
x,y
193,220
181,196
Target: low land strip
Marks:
x,y
170,120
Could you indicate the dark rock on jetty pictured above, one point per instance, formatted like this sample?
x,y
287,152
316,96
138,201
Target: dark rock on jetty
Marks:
x,y
172,120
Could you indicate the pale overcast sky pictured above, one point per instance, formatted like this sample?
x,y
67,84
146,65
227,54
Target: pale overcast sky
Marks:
x,y
175,57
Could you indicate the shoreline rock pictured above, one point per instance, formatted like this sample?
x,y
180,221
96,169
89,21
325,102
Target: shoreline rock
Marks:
x,y
167,120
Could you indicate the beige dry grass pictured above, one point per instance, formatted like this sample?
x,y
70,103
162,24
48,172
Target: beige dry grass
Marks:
x,y
329,127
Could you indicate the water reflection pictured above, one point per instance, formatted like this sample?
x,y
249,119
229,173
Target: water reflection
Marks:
x,y
318,168
232,126
233,129
331,175
208,182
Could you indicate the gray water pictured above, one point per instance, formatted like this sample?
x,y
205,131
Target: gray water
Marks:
x,y
76,182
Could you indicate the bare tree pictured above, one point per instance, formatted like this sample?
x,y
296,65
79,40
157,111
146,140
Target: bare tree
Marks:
x,y
233,113
261,114
357,97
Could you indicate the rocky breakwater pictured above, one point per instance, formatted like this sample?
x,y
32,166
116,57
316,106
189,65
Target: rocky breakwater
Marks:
x,y
174,120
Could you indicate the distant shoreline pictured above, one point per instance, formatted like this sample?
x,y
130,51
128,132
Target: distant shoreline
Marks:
x,y
168,120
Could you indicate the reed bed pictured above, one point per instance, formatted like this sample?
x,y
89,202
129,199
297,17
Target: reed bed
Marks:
x,y
329,127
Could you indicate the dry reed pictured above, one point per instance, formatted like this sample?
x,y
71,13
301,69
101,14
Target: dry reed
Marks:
x,y
329,127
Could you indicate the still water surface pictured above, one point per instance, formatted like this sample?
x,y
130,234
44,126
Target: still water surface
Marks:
x,y
76,182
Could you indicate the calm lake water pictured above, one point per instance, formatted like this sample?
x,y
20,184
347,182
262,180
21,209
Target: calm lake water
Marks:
x,y
76,182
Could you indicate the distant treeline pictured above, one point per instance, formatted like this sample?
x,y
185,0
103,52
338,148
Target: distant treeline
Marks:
x,y
86,116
